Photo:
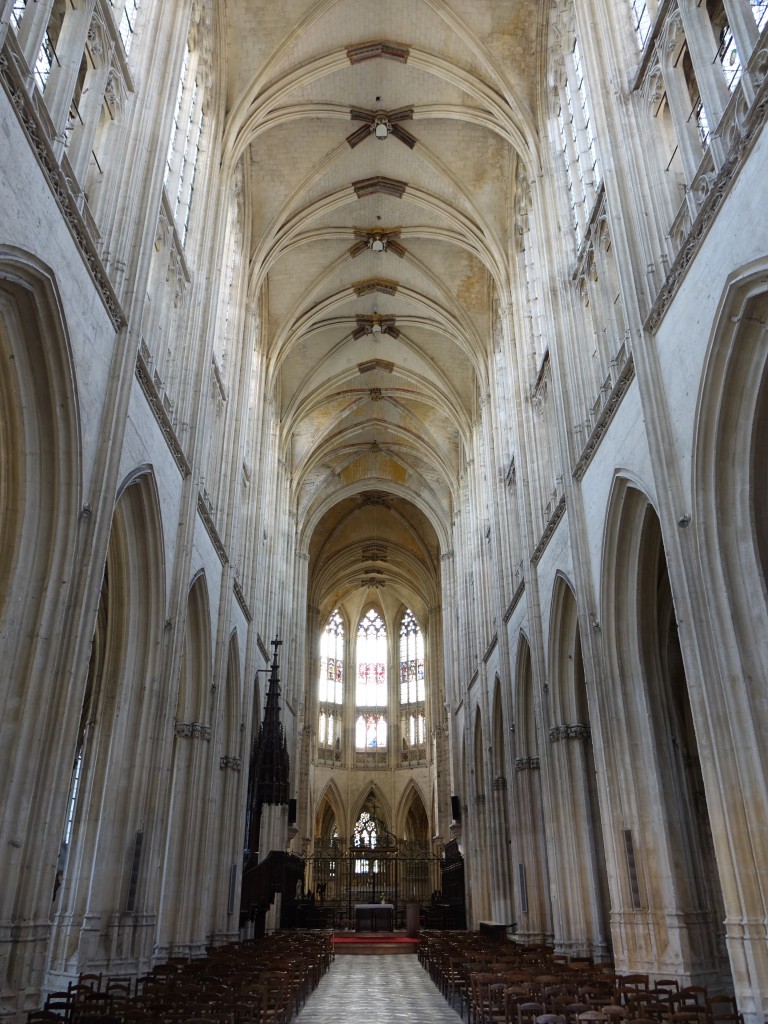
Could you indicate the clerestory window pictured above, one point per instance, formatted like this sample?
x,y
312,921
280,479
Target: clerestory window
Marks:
x,y
128,18
641,19
413,728
371,686
186,135
330,690
578,145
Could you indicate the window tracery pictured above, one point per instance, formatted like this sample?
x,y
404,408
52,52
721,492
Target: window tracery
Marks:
x,y
371,696
642,21
365,836
412,690
577,142
128,20
330,690
188,123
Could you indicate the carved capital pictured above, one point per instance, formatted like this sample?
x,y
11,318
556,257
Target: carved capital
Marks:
x,y
576,731
524,763
193,730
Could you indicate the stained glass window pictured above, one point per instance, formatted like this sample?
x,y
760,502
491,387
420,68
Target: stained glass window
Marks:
x,y
371,732
411,660
365,836
371,688
332,660
413,729
330,689
365,833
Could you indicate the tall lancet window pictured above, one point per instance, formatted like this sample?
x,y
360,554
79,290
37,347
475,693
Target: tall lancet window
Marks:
x,y
413,728
330,691
188,128
371,688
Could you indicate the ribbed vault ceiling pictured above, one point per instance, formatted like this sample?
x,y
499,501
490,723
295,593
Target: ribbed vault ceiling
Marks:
x,y
376,263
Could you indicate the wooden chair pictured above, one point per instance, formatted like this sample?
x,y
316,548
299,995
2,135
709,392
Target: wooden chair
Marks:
x,y
572,1011
723,1008
61,1003
614,1012
480,1005
93,981
529,1011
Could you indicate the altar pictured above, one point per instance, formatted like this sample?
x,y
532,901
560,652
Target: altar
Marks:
x,y
374,917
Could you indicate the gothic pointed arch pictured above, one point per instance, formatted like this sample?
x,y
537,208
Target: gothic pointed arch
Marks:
x,y
331,815
533,910
412,818
582,926
499,746
668,868
191,774
498,811
196,663
41,501
373,800
114,751
730,530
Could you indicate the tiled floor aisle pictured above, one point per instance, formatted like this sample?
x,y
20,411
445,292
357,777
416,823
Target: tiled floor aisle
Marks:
x,y
376,990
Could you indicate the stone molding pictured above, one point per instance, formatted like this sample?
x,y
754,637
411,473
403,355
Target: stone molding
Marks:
x,y
33,117
577,731
383,49
240,598
491,647
379,185
613,402
210,526
549,530
514,602
525,763
192,730
230,761
385,286
155,402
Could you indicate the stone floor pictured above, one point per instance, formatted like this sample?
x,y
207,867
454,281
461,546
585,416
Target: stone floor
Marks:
x,y
376,990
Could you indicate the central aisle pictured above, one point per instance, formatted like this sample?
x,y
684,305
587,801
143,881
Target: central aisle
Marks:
x,y
374,990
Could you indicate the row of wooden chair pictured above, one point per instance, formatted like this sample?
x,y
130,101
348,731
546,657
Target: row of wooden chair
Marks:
x,y
505,982
262,982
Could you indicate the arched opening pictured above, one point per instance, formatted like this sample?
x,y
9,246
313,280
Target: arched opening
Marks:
x,y
115,761
188,817
665,869
480,856
677,756
228,781
41,567
534,914
582,922
502,910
